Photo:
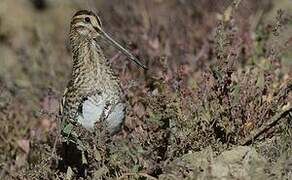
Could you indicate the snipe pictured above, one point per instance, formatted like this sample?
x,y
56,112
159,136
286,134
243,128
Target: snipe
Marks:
x,y
93,93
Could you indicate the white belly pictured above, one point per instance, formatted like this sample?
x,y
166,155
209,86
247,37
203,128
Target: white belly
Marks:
x,y
94,109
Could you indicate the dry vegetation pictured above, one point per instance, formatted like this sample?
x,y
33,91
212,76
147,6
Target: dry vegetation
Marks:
x,y
215,104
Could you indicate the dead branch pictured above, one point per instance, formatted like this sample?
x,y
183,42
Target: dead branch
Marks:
x,y
272,122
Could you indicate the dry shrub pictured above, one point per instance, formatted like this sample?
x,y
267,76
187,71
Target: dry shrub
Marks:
x,y
208,86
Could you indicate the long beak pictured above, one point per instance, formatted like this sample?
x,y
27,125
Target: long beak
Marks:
x,y
106,37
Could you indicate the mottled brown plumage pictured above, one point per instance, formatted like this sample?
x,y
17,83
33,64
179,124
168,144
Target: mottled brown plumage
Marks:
x,y
93,93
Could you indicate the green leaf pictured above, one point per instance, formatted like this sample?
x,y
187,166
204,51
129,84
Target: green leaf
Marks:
x,y
80,145
68,129
100,172
235,93
97,155
69,173
155,118
261,80
84,160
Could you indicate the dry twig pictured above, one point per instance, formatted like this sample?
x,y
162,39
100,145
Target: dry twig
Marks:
x,y
272,122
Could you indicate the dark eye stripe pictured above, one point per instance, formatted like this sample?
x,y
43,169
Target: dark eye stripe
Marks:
x,y
86,19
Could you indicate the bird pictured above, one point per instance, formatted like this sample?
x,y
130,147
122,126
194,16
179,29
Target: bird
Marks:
x,y
93,94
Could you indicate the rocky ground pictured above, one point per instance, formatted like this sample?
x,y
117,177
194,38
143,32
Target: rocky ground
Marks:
x,y
214,104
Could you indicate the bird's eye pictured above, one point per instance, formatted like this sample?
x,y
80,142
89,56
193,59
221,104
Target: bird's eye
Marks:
x,y
87,19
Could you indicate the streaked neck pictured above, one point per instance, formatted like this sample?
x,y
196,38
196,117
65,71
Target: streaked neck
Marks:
x,y
87,55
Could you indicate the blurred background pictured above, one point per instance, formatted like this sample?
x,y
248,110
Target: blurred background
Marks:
x,y
35,53
179,40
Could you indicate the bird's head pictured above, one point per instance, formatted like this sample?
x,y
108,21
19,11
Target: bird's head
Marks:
x,y
88,26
